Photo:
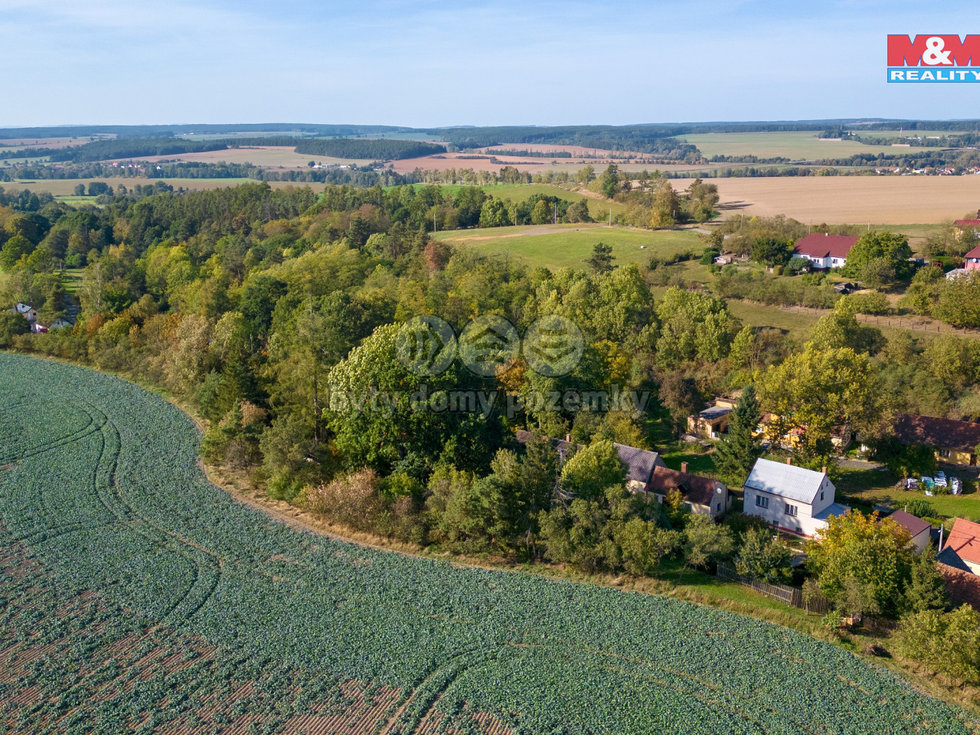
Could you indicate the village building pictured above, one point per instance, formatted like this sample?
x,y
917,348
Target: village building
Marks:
x,y
792,499
962,548
825,251
952,441
918,530
712,422
702,495
640,463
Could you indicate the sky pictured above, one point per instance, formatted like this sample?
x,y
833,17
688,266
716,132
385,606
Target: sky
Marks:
x,y
428,64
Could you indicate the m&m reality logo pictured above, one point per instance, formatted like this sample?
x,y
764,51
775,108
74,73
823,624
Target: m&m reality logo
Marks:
x,y
938,58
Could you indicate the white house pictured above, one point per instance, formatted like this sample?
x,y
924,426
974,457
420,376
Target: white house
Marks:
x,y
793,499
825,251
27,312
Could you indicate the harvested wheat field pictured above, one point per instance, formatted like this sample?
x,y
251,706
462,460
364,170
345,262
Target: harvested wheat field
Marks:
x,y
884,200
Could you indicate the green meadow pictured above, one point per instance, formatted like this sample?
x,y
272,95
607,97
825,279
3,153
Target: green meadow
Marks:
x,y
562,246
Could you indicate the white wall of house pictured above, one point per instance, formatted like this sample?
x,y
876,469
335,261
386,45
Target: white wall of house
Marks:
x,y
787,514
921,541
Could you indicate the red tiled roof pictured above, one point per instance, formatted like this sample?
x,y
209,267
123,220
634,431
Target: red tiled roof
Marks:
x,y
694,488
975,253
967,223
913,524
818,245
937,433
964,539
963,587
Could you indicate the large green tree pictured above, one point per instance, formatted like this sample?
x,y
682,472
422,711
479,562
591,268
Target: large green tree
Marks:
x,y
864,565
880,258
819,389
740,447
381,412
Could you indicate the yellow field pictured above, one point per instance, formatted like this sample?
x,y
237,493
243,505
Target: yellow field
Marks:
x,y
267,156
885,200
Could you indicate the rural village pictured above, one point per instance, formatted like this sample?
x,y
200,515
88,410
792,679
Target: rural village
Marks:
x,y
505,414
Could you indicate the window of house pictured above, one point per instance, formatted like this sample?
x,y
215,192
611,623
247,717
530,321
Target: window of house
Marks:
x,y
821,494
761,502
791,510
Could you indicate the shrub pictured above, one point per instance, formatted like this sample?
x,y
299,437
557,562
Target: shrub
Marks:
x,y
352,500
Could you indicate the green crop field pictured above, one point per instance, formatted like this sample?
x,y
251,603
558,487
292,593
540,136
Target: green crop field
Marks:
x,y
795,145
138,597
571,245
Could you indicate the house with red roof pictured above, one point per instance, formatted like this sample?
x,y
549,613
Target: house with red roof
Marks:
x,y
701,494
825,251
952,441
962,548
972,259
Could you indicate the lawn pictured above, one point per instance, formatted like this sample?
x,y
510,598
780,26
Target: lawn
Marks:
x,y
72,279
519,192
866,488
560,246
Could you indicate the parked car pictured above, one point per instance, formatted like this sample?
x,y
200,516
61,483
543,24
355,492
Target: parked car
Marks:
x,y
956,485
927,482
911,483
940,479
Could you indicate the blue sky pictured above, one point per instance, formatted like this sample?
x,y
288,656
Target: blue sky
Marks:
x,y
426,64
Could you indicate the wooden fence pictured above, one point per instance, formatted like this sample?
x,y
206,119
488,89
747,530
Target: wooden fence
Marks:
x,y
784,593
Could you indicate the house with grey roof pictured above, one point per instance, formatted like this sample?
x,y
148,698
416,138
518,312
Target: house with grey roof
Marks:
x,y
712,422
792,499
639,462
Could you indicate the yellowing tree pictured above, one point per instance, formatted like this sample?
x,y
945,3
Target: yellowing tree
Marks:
x,y
818,389
862,564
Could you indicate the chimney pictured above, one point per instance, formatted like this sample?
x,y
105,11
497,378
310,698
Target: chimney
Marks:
x,y
789,460
568,438
824,469
684,467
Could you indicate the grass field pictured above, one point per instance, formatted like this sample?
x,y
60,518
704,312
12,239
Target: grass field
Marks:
x,y
795,145
138,596
570,246
859,200
598,206
872,486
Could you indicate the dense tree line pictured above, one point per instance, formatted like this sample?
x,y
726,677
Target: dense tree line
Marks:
x,y
371,149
